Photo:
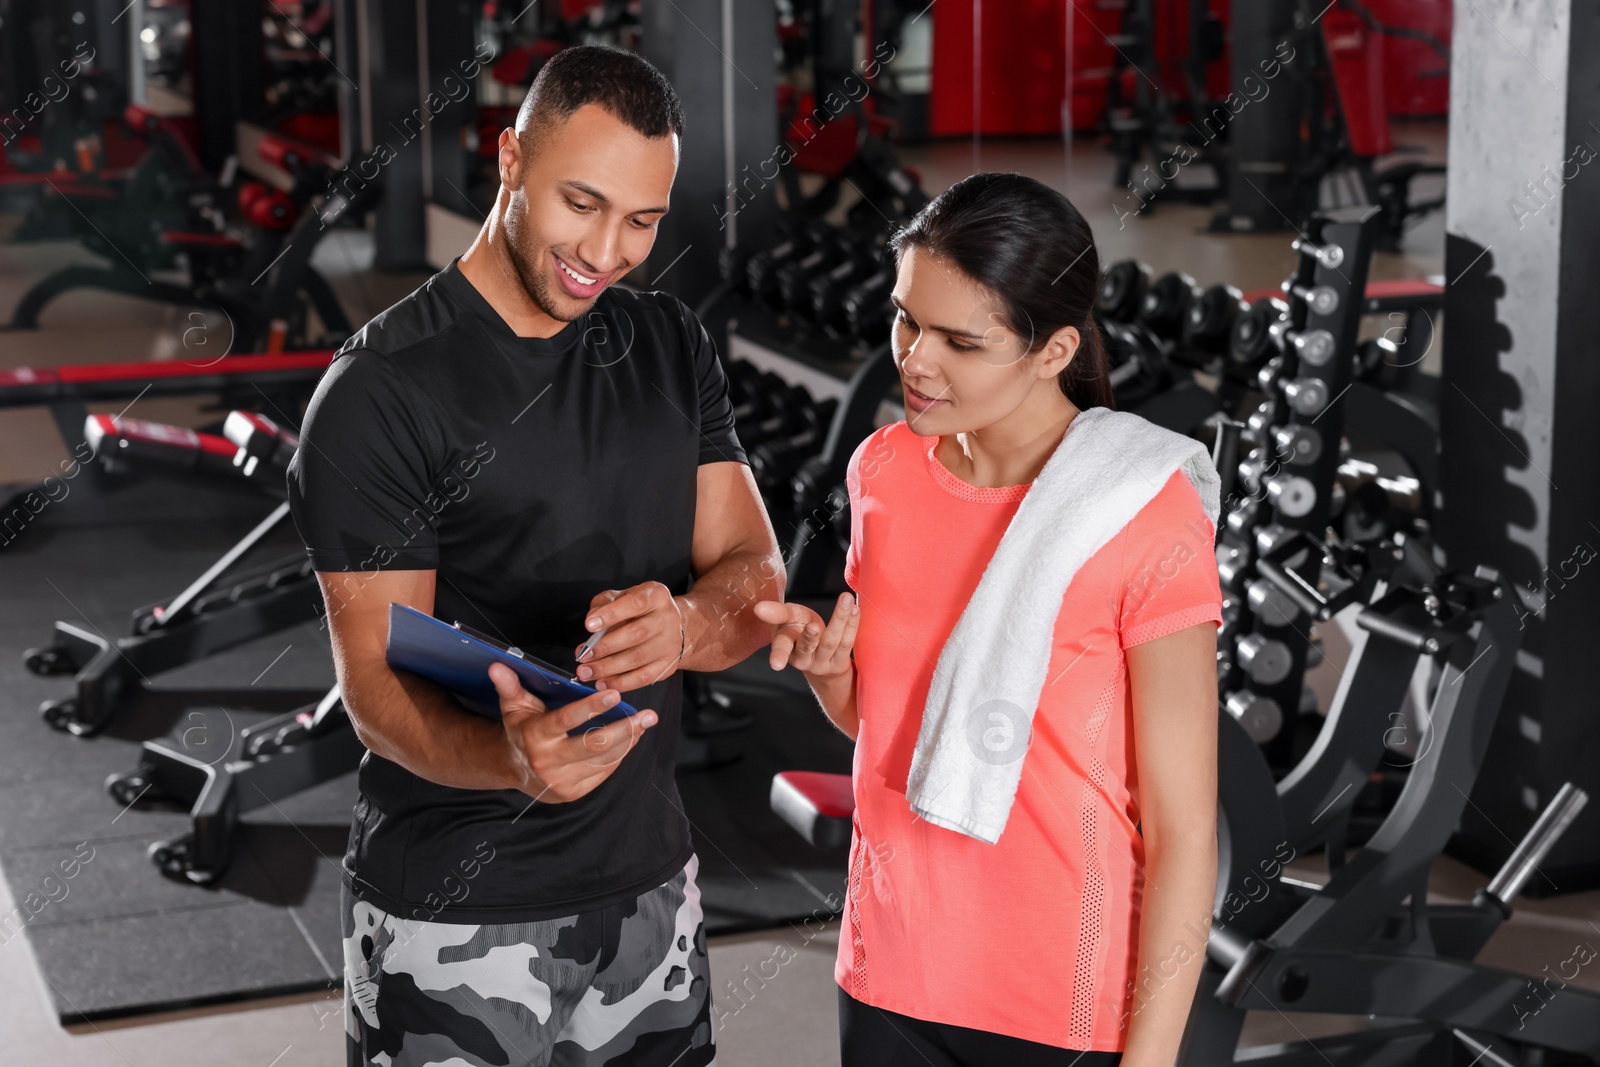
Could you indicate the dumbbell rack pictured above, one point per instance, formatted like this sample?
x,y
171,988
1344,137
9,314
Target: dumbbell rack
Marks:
x,y
1287,484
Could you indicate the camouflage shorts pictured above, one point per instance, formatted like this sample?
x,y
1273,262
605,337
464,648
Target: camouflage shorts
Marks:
x,y
625,985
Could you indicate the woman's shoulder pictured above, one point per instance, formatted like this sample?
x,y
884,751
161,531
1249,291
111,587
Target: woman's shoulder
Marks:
x,y
879,447
1175,510
1178,493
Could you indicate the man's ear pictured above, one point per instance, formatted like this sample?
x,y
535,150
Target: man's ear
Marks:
x,y
510,159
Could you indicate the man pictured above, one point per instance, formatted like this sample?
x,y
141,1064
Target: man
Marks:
x,y
521,447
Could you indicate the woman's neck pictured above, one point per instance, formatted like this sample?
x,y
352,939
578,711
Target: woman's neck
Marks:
x,y
1012,451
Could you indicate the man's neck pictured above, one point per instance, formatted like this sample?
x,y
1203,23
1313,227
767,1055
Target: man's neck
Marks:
x,y
486,264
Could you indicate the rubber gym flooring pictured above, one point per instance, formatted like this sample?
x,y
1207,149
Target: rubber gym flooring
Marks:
x,y
118,937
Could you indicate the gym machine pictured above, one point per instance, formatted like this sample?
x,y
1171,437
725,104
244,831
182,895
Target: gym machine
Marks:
x,y
281,383
220,609
63,82
260,278
1156,117
1325,116
1356,945
284,755
164,188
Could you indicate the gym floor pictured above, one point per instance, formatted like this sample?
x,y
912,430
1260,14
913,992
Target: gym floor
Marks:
x,y
788,1020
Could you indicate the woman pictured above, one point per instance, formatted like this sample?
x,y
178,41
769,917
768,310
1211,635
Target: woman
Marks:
x,y
1077,936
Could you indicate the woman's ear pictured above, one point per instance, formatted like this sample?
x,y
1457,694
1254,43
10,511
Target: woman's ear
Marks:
x,y
1058,351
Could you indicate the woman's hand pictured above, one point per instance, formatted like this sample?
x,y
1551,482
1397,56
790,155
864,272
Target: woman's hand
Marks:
x,y
803,642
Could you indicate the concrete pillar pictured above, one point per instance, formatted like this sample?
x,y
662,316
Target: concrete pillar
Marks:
x,y
1520,481
718,54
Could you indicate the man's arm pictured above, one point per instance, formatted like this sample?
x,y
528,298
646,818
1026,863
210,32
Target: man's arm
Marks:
x,y
738,564
399,716
415,723
736,561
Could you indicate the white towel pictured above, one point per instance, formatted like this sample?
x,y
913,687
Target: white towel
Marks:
x,y
979,716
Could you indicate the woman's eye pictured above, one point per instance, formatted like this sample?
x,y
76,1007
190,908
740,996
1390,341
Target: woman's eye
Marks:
x,y
963,348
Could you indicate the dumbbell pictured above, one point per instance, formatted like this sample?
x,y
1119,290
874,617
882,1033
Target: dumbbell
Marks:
x,y
827,292
1257,334
733,264
1138,362
743,378
761,269
756,400
1260,423
1259,715
1266,660
867,311
795,277
1166,304
1319,299
774,462
1122,289
786,416
1209,325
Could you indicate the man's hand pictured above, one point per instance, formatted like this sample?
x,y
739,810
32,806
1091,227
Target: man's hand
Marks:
x,y
644,638
556,768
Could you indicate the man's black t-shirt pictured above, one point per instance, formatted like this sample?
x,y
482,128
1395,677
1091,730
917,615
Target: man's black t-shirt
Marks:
x,y
531,474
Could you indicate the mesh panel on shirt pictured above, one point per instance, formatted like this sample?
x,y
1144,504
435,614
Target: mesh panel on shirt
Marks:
x,y
858,961
1086,967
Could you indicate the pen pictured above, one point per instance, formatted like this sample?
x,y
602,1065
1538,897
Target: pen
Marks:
x,y
588,646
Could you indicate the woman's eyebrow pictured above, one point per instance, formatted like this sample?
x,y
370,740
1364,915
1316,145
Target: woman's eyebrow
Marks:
x,y
951,330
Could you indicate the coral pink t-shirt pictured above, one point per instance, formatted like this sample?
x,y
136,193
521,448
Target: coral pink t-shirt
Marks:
x,y
1035,936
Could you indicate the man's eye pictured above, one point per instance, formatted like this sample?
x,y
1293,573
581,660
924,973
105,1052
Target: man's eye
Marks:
x,y
577,206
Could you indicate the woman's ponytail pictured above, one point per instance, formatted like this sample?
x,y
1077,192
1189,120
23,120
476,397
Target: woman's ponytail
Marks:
x,y
1087,379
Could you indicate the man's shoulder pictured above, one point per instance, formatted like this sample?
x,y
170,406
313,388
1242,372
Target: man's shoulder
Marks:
x,y
626,298
654,310
423,315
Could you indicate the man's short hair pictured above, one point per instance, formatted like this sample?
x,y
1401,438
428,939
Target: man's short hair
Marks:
x,y
622,82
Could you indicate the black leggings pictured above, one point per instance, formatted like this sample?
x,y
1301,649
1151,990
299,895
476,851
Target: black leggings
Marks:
x,y
872,1037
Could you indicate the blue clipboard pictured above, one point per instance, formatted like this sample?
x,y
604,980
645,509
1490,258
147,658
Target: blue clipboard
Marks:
x,y
458,658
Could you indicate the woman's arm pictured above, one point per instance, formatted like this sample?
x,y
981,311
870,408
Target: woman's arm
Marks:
x,y
837,695
1173,681
822,652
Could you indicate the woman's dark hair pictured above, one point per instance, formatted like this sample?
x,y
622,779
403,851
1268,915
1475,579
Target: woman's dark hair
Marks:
x,y
1025,243
622,82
